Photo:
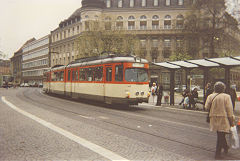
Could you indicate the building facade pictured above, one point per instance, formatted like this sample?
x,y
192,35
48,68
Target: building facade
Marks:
x,y
4,67
16,67
159,25
35,59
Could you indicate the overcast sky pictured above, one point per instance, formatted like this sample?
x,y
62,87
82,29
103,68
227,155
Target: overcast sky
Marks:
x,y
21,20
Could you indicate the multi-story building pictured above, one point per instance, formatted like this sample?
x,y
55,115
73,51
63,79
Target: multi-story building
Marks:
x,y
159,25
34,60
4,67
16,67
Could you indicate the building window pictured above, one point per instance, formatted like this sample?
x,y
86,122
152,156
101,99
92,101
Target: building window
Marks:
x,y
166,53
168,2
155,3
131,23
179,42
144,3
155,22
119,23
155,43
131,4
167,43
180,21
143,22
167,22
180,2
120,3
108,23
87,27
108,3
143,43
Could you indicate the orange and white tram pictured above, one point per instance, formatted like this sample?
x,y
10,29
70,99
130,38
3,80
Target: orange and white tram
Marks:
x,y
111,80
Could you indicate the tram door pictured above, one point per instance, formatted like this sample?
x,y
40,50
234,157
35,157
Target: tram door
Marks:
x,y
108,85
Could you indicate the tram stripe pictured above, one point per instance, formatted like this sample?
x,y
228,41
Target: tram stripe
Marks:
x,y
96,148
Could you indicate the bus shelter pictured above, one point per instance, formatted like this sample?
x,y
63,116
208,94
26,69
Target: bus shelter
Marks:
x,y
204,64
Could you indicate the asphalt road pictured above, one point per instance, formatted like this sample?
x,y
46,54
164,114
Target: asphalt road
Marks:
x,y
36,126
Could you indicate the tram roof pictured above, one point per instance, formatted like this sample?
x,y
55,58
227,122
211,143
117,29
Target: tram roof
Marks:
x,y
117,59
101,60
208,63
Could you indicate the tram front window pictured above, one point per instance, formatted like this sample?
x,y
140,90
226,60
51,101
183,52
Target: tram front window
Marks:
x,y
136,75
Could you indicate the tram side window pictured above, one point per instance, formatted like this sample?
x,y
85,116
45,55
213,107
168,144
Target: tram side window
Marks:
x,y
98,73
76,75
73,75
109,74
69,75
89,73
54,76
61,75
119,73
82,76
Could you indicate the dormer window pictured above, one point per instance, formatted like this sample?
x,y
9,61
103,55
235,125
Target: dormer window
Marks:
x,y
144,3
180,2
120,3
108,3
168,2
131,3
155,3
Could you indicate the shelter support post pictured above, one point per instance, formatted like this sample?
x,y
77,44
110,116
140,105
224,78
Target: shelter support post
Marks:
x,y
187,71
205,81
172,84
227,78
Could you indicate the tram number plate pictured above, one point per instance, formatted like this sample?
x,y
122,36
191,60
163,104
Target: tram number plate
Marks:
x,y
138,65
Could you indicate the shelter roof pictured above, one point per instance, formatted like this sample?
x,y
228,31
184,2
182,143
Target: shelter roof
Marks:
x,y
184,64
167,65
226,61
208,63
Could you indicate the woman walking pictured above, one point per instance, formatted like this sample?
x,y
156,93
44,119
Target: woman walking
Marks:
x,y
221,116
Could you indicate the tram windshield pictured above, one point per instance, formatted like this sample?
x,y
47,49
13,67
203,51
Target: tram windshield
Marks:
x,y
136,75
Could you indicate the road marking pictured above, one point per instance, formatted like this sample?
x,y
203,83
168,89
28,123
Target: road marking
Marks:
x,y
97,149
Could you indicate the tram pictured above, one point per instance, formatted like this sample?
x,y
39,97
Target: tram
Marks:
x,y
112,79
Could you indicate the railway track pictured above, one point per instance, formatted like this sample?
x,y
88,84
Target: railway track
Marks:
x,y
30,95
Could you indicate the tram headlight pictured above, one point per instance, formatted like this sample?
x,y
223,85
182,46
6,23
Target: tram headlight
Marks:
x,y
137,93
127,95
142,93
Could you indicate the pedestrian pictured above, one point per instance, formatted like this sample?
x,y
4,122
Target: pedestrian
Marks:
x,y
154,92
159,95
233,94
208,89
221,116
184,94
193,97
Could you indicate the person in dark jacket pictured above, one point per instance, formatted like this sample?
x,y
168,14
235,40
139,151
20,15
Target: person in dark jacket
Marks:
x,y
193,98
209,89
159,94
233,94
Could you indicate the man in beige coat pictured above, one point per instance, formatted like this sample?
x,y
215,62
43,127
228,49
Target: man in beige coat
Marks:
x,y
221,116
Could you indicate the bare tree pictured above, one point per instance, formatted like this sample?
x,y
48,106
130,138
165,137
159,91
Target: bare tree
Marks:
x,y
209,22
104,37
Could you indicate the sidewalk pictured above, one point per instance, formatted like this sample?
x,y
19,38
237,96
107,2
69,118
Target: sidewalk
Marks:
x,y
178,98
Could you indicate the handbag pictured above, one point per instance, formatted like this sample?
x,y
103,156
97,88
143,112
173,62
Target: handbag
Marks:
x,y
234,140
208,118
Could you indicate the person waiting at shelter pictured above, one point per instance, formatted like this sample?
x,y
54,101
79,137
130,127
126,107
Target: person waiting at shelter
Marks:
x,y
154,92
233,94
159,95
184,94
193,98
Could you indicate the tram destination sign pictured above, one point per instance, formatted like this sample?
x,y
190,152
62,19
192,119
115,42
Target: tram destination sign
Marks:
x,y
138,65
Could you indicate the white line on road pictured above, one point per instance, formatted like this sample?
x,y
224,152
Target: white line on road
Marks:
x,y
97,149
